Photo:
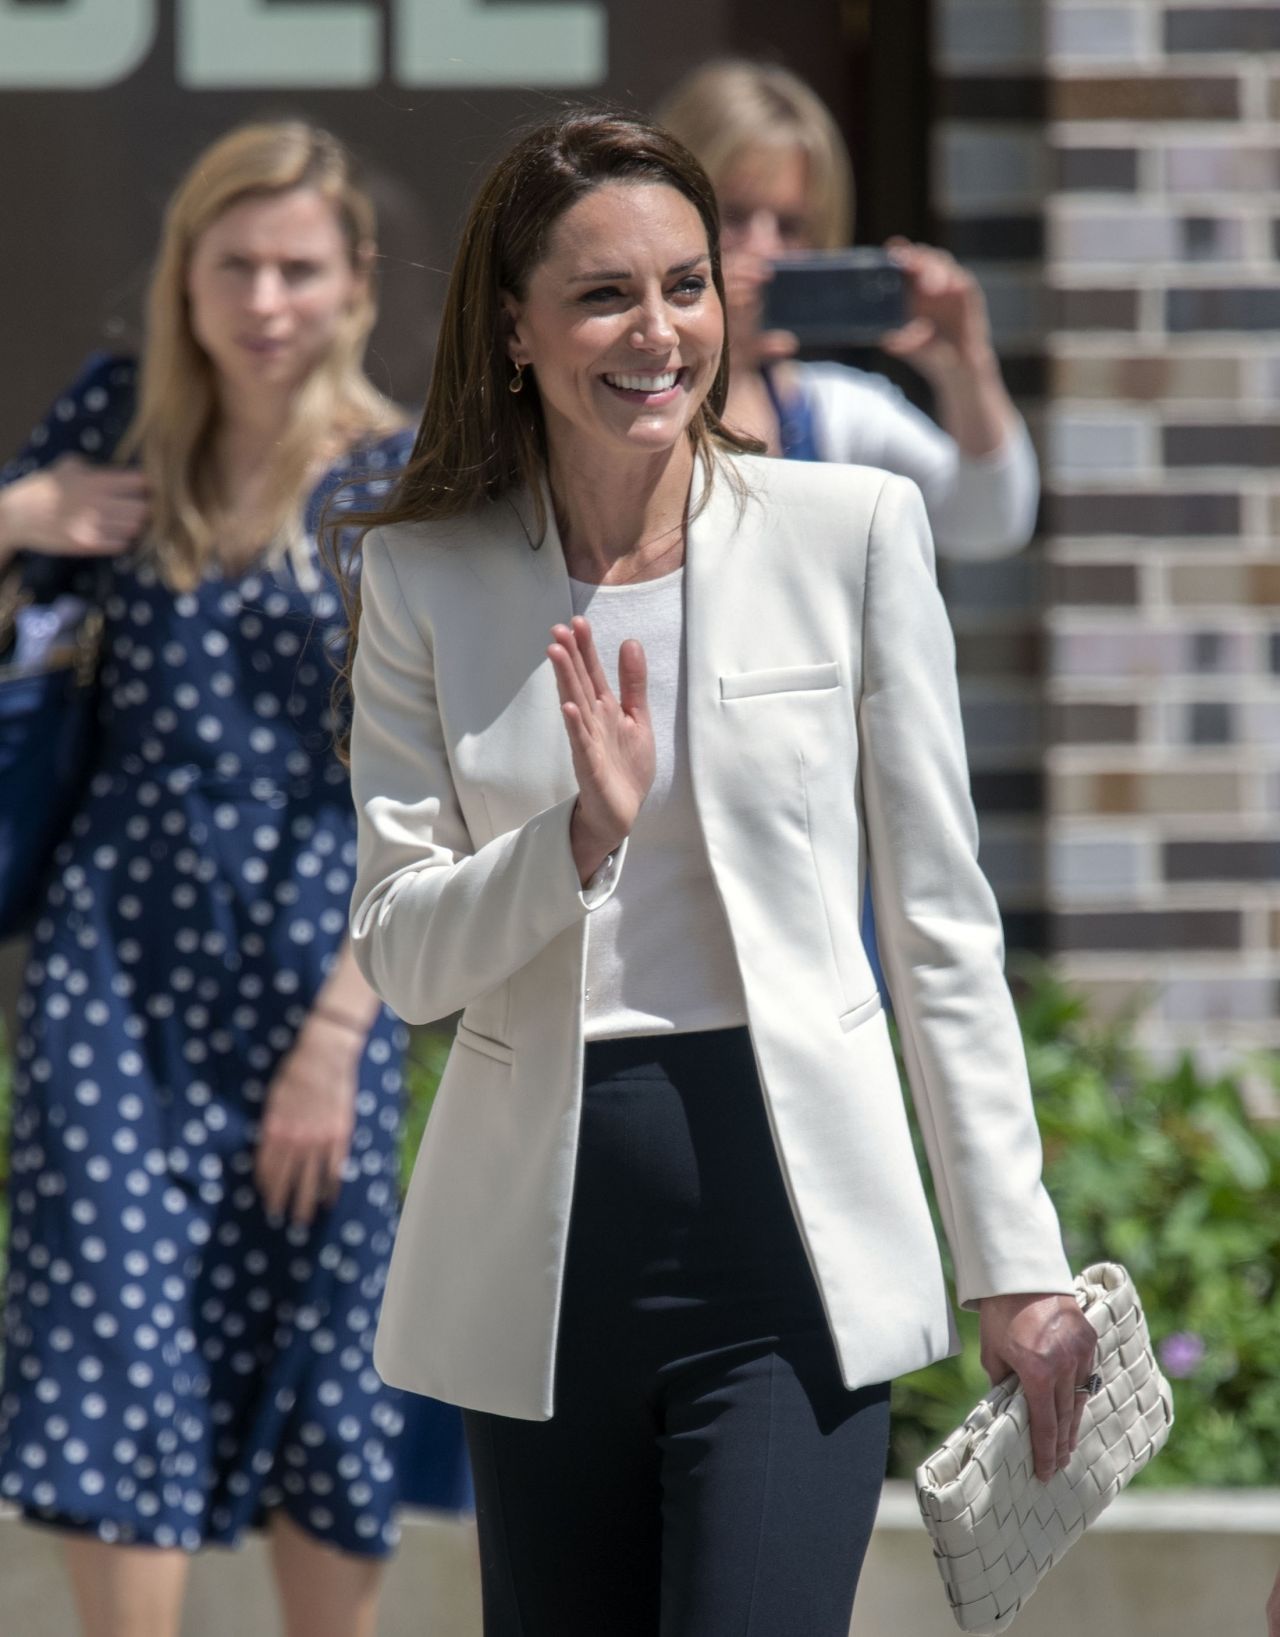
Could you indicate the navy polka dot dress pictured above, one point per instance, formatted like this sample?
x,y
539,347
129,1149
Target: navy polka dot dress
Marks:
x,y
176,1364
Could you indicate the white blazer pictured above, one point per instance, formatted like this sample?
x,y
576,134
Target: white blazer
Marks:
x,y
824,734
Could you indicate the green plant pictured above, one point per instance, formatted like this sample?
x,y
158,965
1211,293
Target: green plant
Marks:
x,y
428,1049
1161,1169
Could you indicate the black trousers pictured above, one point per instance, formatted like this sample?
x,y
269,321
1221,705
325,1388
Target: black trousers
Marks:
x,y
706,1473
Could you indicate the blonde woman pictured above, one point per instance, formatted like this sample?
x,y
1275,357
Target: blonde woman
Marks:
x,y
206,1090
784,183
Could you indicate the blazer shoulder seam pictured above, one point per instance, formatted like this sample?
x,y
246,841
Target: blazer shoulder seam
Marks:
x,y
380,535
886,479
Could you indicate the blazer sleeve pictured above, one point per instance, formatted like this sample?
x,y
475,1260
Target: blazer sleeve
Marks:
x,y
436,922
940,935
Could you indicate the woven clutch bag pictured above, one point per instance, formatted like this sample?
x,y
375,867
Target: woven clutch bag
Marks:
x,y
996,1529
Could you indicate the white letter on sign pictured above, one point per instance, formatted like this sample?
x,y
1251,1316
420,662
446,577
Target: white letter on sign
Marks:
x,y
74,47
468,42
232,43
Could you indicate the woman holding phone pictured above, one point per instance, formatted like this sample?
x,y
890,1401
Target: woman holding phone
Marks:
x,y
784,184
637,714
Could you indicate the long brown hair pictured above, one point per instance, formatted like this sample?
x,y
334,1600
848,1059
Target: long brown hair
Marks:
x,y
478,441
178,405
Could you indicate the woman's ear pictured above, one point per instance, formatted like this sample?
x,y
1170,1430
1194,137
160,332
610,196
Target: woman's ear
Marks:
x,y
366,254
517,352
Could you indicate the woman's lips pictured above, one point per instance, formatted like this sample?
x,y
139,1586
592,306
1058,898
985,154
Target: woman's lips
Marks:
x,y
646,387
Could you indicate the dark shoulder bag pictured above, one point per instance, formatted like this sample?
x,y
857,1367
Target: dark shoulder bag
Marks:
x,y
50,649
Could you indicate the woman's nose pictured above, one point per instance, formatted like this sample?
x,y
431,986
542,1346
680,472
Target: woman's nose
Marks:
x,y
763,237
265,290
654,330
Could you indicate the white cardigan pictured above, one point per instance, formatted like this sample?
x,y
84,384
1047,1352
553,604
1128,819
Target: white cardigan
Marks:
x,y
825,736
978,507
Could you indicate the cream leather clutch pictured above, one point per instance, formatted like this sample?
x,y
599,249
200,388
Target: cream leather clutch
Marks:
x,y
996,1529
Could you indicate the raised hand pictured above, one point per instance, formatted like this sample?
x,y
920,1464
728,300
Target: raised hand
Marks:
x,y
948,327
72,508
948,339
610,737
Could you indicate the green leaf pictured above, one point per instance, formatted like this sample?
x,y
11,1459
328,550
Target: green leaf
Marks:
x,y
1237,1145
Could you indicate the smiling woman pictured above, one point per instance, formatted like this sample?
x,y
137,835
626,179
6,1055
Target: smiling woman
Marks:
x,y
665,1239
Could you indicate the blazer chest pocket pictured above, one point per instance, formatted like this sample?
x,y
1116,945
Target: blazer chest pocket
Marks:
x,y
783,679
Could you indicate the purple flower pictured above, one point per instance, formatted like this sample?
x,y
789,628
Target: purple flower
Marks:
x,y
1181,1353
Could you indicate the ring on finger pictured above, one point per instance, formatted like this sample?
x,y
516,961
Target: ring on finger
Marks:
x,y
1090,1386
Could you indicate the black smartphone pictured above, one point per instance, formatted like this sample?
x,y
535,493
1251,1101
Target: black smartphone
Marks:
x,y
836,297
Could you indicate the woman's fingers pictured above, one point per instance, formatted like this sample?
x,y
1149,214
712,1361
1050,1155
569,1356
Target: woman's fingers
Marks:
x,y
584,682
128,482
272,1176
568,676
335,1169
293,1179
126,514
307,1179
633,679
1064,1394
914,334
581,652
581,743
1042,1412
586,644
1049,1343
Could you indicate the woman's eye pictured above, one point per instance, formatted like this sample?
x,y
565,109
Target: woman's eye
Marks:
x,y
605,292
691,286
296,271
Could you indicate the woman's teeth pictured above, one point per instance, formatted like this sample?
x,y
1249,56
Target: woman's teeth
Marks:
x,y
645,383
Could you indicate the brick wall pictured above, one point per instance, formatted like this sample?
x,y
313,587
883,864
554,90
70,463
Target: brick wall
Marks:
x,y
1142,142
990,171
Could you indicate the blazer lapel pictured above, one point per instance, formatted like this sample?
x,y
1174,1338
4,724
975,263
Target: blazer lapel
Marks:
x,y
719,632
508,731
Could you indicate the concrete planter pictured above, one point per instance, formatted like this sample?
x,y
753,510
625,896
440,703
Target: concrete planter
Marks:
x,y
1181,1564
1174,1563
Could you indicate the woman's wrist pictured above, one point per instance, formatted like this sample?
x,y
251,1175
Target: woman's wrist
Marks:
x,y
339,1018
974,406
971,367
590,850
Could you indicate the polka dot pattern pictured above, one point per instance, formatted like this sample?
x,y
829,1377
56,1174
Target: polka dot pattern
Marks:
x,y
175,1363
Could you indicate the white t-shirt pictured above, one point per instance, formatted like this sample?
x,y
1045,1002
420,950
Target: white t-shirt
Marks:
x,y
660,959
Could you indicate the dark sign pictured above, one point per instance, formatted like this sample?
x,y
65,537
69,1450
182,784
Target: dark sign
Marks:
x,y
103,104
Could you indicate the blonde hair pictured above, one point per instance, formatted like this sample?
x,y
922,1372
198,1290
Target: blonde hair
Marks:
x,y
177,410
726,107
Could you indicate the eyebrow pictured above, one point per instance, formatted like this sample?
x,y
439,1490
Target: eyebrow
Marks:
x,y
625,273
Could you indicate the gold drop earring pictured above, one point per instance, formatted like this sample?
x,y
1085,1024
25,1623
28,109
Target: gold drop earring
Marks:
x,y
516,383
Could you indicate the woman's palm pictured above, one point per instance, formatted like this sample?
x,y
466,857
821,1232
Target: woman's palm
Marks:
x,y
610,735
